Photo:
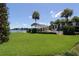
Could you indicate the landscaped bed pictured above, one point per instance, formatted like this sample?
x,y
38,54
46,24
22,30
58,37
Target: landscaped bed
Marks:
x,y
38,44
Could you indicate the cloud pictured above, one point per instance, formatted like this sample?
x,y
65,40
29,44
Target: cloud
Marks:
x,y
24,25
17,25
58,14
44,23
30,17
52,13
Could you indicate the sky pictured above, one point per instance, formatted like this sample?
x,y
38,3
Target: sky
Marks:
x,y
20,13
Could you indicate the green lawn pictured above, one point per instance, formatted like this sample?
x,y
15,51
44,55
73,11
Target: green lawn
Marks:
x,y
38,44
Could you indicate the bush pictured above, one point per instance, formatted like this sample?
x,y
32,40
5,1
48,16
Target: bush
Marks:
x,y
69,54
29,31
77,29
69,30
4,24
34,30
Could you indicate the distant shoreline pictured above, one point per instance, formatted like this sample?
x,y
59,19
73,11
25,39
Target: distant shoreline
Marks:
x,y
18,30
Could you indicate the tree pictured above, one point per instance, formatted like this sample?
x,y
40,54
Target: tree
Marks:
x,y
35,16
67,13
51,25
51,22
62,20
4,24
75,19
57,21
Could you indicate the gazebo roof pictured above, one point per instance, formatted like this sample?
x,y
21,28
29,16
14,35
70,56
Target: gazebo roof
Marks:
x,y
34,24
38,25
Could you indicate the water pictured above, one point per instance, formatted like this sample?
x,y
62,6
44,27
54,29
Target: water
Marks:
x,y
17,30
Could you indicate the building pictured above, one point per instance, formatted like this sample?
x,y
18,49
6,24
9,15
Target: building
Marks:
x,y
61,25
41,27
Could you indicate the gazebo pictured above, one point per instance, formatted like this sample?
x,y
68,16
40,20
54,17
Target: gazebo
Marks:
x,y
42,27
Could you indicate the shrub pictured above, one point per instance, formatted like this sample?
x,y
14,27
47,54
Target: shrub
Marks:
x,y
4,24
29,31
77,29
34,30
69,30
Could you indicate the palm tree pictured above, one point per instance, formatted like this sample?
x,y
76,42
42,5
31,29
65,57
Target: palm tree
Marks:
x,y
36,16
75,19
62,21
4,24
51,23
67,13
57,21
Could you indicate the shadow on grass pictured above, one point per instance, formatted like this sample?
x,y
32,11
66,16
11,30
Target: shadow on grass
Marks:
x,y
43,33
44,55
73,52
69,54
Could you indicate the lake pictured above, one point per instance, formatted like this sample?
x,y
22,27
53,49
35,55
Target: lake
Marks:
x,y
17,30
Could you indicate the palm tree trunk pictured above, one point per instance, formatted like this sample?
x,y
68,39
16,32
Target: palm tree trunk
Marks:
x,y
67,20
35,23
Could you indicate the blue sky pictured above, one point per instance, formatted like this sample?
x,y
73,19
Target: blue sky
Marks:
x,y
20,13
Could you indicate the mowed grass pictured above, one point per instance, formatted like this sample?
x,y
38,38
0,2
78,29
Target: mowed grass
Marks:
x,y
26,44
